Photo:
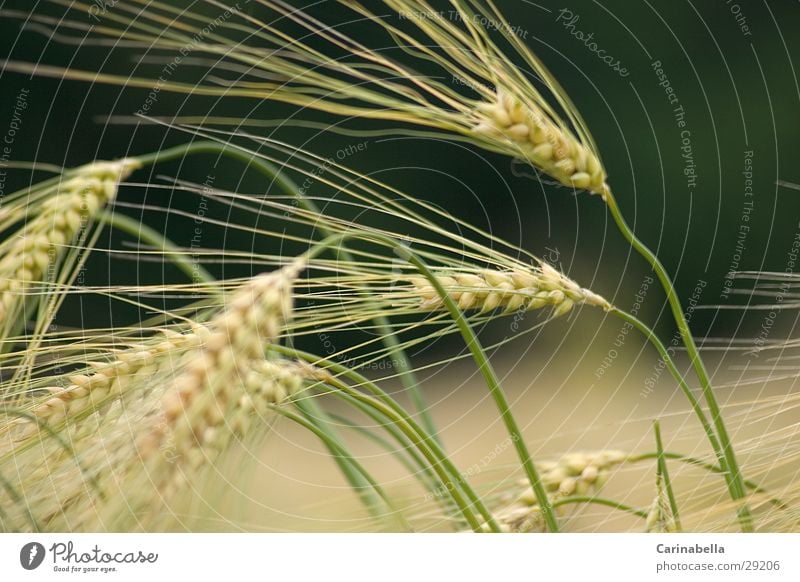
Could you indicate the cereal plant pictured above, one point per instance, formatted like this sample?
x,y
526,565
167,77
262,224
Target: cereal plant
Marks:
x,y
276,306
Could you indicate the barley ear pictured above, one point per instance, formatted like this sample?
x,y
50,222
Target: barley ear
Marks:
x,y
226,382
100,381
510,291
659,515
52,224
576,474
547,145
69,442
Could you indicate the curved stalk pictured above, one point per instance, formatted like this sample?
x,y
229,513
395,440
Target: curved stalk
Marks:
x,y
478,355
436,458
751,485
673,370
413,464
496,391
362,483
336,448
452,479
736,487
601,501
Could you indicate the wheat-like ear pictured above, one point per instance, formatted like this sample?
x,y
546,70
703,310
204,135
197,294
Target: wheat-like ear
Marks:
x,y
578,474
659,515
53,217
224,386
515,290
496,105
100,381
533,135
61,448
232,355
144,421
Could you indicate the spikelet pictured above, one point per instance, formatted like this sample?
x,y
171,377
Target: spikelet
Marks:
x,y
576,474
510,291
534,136
51,227
659,516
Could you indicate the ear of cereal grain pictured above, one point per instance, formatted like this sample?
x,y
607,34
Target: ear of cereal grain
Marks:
x,y
144,424
510,291
53,218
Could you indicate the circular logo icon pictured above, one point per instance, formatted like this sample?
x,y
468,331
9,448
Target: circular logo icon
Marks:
x,y
31,555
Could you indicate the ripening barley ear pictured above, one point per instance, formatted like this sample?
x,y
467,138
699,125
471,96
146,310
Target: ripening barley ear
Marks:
x,y
576,474
233,352
89,391
53,217
143,424
510,116
63,445
497,107
494,105
510,291
530,134
659,515
224,387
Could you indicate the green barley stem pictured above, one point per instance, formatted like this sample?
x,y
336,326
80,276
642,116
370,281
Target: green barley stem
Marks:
x,y
478,355
417,465
452,480
339,451
408,463
735,481
673,369
752,485
414,463
492,381
601,501
426,446
663,473
388,336
360,482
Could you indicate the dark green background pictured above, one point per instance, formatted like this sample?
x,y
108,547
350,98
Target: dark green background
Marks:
x,y
739,93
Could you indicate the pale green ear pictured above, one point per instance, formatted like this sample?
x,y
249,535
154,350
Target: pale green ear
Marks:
x,y
496,107
510,291
55,230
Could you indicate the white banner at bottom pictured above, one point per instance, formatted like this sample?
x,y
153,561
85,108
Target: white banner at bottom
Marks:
x,y
400,557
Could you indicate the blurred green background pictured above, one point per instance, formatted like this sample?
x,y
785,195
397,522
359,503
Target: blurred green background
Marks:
x,y
730,66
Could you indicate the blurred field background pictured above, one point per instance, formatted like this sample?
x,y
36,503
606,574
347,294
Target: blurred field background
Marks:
x,y
563,409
